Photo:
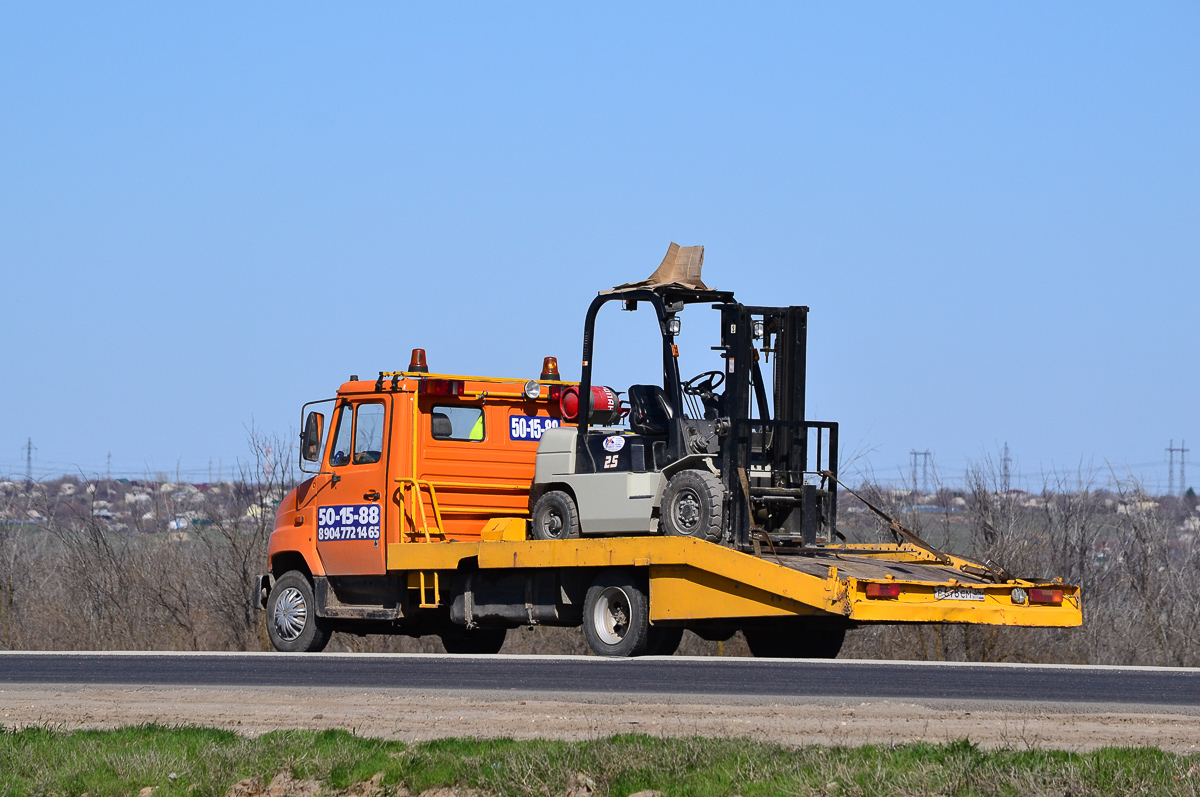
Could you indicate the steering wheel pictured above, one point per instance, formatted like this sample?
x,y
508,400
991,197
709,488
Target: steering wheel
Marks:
x,y
703,383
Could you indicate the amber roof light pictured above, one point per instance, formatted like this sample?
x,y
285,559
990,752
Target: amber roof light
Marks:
x,y
417,363
550,368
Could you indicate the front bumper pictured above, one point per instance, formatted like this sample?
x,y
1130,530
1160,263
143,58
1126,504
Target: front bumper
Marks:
x,y
262,590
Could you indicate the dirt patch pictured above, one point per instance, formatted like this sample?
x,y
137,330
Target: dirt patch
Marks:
x,y
412,715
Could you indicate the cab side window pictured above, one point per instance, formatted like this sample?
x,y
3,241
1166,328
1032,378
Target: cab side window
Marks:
x,y
339,454
358,441
456,423
368,434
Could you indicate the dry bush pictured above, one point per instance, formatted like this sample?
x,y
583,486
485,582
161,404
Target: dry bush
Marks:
x,y
76,575
1138,568
74,578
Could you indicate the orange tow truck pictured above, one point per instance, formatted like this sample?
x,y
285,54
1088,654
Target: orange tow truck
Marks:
x,y
463,506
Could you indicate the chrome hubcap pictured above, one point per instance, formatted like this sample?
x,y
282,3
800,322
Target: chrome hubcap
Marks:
x,y
291,614
611,615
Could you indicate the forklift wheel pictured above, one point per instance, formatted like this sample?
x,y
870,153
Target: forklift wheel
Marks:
x,y
555,517
616,614
692,506
292,622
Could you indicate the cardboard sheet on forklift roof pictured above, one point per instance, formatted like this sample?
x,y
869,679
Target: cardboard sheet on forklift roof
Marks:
x,y
680,266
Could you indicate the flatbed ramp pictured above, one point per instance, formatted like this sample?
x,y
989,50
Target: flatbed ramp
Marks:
x,y
696,580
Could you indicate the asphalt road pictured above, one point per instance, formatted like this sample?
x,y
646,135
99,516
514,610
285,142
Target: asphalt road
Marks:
x,y
676,675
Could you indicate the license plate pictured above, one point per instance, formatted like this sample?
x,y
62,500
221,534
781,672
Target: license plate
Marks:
x,y
957,594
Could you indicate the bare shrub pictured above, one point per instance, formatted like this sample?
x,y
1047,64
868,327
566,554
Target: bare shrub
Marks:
x,y
97,564
1138,570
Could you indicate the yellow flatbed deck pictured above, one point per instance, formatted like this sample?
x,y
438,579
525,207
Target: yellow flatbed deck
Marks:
x,y
697,580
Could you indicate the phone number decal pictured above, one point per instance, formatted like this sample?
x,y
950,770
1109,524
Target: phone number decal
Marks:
x,y
351,522
527,427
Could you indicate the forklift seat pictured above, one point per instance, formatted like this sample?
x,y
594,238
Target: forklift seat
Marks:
x,y
649,411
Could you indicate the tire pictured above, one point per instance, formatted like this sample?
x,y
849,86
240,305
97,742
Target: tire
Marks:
x,y
292,622
802,641
555,517
715,633
664,640
616,614
477,640
693,506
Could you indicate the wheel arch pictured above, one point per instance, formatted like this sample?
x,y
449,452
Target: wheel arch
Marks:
x,y
285,561
538,490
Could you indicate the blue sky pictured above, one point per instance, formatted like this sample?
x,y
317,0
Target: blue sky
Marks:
x,y
210,214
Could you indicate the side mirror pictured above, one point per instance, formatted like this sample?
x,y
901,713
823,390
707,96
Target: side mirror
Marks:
x,y
310,440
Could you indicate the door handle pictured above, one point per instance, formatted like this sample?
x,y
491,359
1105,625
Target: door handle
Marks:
x,y
371,496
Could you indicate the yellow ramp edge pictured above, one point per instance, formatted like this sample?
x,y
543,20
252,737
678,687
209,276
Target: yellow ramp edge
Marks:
x,y
694,580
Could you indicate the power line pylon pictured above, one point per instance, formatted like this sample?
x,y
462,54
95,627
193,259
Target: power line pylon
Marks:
x,y
1182,452
923,485
1006,470
29,463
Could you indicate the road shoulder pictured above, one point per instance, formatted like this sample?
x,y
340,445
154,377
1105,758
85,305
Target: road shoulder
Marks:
x,y
412,715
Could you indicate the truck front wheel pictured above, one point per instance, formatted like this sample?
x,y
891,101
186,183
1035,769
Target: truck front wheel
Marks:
x,y
292,622
616,615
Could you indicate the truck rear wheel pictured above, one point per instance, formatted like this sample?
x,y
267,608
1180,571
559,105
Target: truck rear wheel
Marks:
x,y
555,517
804,641
616,614
664,640
693,505
292,622
476,640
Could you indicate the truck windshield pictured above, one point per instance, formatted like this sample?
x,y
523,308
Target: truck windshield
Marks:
x,y
339,454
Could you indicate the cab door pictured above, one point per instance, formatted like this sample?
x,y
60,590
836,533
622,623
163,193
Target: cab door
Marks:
x,y
351,510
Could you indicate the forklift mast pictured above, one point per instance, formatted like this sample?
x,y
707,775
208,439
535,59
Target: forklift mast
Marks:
x,y
777,485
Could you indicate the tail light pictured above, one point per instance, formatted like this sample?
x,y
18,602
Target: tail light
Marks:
x,y
1050,597
442,387
883,590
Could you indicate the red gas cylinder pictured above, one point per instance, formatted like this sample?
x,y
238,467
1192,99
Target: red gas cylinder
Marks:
x,y
605,407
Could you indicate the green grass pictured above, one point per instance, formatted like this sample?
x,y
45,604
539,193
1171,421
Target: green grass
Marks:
x,y
207,762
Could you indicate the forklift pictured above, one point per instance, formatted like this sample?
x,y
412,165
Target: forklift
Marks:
x,y
715,457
